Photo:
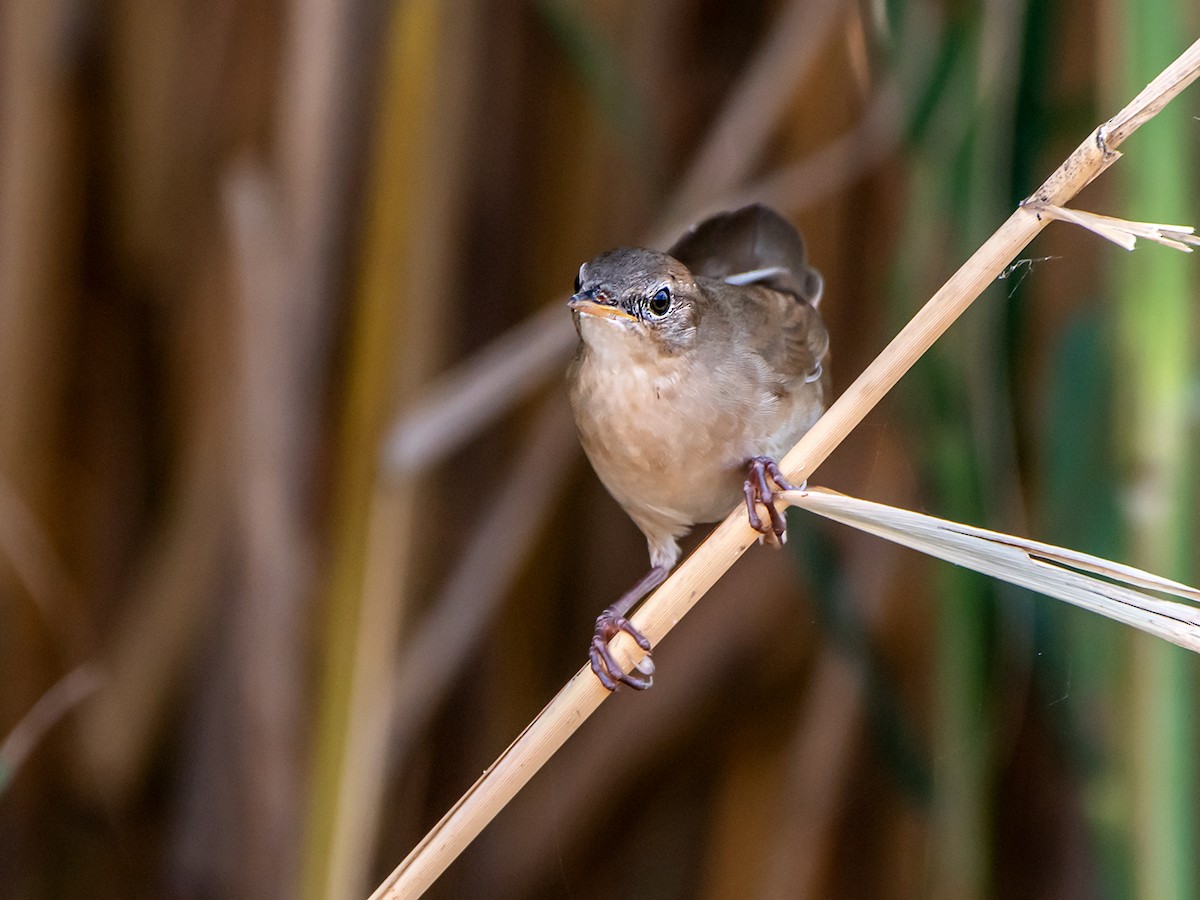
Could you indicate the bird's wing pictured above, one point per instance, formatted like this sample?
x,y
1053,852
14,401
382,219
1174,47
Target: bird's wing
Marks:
x,y
751,245
787,333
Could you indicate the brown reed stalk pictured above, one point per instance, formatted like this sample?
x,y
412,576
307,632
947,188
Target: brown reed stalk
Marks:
x,y
418,171
583,694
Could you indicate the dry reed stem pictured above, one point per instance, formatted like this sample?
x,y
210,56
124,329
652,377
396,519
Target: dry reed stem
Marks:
x,y
749,608
820,761
461,402
169,604
830,169
26,546
71,690
470,600
751,116
268,335
821,756
583,694
1122,232
419,172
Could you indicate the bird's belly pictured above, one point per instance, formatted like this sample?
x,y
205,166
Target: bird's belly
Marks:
x,y
679,492
666,452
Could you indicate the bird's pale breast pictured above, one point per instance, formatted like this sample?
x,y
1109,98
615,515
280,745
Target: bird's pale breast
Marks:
x,y
669,437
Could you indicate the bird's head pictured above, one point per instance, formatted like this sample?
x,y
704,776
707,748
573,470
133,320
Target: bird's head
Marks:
x,y
637,295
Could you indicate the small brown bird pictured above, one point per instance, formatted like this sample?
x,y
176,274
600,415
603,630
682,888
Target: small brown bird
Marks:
x,y
695,370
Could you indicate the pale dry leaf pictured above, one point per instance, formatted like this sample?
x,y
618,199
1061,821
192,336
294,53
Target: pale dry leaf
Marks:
x,y
1121,232
1090,582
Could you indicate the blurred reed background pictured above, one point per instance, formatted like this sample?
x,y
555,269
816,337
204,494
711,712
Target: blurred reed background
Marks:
x,y
290,549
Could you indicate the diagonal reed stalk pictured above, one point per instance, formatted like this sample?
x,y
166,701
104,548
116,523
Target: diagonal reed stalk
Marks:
x,y
583,694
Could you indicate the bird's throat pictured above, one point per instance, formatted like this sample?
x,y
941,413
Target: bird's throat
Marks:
x,y
616,342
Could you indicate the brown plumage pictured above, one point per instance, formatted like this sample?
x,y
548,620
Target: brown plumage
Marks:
x,y
694,367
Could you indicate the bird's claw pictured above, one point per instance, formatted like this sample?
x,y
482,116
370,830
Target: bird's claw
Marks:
x,y
758,490
605,665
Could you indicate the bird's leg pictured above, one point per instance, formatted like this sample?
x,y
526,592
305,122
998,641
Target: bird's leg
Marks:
x,y
612,620
758,490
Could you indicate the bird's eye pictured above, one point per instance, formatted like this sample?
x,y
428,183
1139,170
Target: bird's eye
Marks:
x,y
578,284
660,302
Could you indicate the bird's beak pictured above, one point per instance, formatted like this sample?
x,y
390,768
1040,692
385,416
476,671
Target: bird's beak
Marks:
x,y
591,304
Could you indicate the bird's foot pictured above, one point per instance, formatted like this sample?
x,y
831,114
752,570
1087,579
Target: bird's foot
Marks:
x,y
758,490
605,665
